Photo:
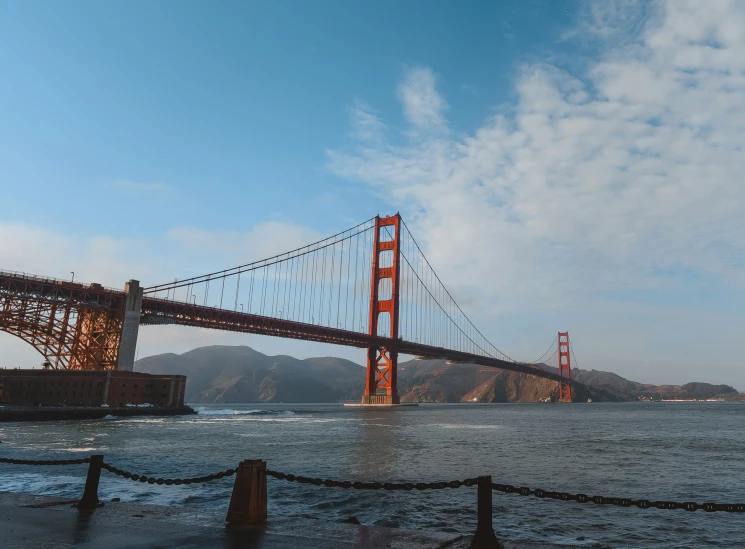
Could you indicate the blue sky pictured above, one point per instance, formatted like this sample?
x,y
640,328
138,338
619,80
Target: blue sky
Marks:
x,y
566,165
232,108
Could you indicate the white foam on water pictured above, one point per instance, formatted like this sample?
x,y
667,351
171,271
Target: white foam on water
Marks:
x,y
265,419
232,412
474,426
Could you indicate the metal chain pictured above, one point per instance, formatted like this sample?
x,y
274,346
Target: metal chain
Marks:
x,y
167,481
45,461
357,485
563,496
621,502
373,485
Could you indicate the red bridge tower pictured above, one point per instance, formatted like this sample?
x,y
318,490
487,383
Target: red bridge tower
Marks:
x,y
565,390
380,385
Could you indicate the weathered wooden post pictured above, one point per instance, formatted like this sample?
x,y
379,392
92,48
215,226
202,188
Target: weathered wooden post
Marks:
x,y
89,501
248,501
484,537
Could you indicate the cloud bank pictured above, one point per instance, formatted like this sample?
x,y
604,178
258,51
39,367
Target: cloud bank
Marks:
x,y
596,189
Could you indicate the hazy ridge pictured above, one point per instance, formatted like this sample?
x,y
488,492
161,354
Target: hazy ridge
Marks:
x,y
239,374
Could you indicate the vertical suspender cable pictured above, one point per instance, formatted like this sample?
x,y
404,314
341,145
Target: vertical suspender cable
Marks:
x,y
331,285
313,289
338,295
251,290
323,289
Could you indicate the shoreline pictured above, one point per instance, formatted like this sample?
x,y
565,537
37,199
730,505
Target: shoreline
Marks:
x,y
30,522
63,414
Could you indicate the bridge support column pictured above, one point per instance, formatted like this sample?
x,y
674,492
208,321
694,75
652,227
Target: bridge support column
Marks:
x,y
382,362
130,326
565,390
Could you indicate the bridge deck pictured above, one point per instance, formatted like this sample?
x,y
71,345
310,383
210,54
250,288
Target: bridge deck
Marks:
x,y
162,311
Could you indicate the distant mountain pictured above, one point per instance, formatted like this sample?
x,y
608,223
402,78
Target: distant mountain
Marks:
x,y
241,374
222,374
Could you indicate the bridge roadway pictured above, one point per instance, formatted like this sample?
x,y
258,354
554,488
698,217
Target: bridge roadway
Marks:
x,y
161,311
53,293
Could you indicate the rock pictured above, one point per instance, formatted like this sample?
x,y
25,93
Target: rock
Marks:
x,y
351,520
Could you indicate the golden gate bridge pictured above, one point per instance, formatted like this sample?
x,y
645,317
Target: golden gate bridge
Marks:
x,y
369,287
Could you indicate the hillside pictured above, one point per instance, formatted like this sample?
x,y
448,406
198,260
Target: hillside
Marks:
x,y
241,374
222,374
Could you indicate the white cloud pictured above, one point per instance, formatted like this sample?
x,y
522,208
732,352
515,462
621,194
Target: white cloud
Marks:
x,y
422,105
229,249
365,123
181,252
595,183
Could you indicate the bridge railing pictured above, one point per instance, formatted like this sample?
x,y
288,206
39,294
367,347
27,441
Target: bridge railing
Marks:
x,y
248,502
52,280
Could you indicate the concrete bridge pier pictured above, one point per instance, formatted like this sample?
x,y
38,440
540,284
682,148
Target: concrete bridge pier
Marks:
x,y
130,326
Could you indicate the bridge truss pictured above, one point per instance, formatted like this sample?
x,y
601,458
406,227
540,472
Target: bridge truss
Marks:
x,y
73,326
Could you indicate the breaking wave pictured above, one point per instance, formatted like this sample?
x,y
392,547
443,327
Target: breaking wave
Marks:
x,y
231,412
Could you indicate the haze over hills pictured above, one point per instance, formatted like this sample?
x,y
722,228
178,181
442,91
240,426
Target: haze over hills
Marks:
x,y
240,374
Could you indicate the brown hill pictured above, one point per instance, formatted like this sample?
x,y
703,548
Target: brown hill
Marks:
x,y
243,375
438,381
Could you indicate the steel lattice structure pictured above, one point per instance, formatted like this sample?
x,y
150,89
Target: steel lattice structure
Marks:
x,y
73,326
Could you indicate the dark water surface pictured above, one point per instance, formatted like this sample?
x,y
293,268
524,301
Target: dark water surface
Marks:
x,y
667,451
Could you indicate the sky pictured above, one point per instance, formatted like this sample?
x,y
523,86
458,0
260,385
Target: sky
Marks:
x,y
566,166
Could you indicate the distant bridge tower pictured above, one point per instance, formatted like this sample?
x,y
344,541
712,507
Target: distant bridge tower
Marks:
x,y
382,363
565,390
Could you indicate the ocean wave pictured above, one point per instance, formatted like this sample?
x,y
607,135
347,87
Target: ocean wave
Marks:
x,y
232,412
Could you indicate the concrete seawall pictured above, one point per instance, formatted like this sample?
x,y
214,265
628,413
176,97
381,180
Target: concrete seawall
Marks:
x,y
36,522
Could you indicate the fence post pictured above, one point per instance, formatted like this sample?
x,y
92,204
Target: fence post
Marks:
x,y
89,501
248,501
484,537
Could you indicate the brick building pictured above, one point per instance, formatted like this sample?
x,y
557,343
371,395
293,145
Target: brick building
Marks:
x,y
89,388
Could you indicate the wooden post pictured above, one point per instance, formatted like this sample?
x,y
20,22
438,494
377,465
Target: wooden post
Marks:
x,y
248,502
89,501
484,537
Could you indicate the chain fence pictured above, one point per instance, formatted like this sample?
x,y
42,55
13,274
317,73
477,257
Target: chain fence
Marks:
x,y
509,489
373,485
167,481
620,502
45,461
405,486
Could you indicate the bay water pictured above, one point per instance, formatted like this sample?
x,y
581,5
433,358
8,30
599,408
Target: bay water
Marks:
x,y
657,451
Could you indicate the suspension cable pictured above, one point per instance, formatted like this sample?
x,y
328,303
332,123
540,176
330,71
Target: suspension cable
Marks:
x,y
265,262
547,350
